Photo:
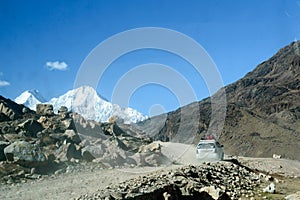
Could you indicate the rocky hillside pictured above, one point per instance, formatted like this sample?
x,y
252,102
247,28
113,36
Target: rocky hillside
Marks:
x,y
263,111
34,143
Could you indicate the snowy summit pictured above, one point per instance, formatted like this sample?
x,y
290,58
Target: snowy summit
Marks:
x,y
30,98
85,101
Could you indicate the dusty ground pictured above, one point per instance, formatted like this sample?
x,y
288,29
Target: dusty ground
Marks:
x,y
91,178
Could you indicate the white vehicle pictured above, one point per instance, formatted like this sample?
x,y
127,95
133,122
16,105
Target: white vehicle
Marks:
x,y
209,150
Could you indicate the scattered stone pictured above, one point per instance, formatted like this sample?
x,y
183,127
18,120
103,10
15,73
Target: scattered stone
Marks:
x,y
270,188
152,147
44,109
188,182
275,156
295,196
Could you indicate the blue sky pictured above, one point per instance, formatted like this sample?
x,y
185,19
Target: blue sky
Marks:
x,y
43,43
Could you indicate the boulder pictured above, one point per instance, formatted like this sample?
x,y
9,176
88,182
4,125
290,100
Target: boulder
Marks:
x,y
275,156
212,191
6,128
24,152
30,127
44,121
44,109
73,136
96,150
63,112
63,109
11,137
68,151
68,124
2,147
152,147
270,188
25,110
57,123
87,156
295,196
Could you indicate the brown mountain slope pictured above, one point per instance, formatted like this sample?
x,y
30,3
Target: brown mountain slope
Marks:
x,y
263,111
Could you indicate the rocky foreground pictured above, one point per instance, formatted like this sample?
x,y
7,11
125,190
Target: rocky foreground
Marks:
x,y
219,180
41,142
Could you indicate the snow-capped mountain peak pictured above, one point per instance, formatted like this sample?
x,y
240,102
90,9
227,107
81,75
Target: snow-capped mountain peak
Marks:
x,y
30,98
87,102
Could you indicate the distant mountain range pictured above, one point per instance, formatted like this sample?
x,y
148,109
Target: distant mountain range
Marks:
x,y
85,101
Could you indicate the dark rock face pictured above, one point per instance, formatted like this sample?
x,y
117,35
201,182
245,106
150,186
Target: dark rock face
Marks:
x,y
266,101
9,110
2,147
30,127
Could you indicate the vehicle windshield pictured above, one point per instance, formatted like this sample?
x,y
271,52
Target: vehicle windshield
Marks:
x,y
206,146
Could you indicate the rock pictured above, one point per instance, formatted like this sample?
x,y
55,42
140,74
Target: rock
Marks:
x,y
6,128
270,188
25,110
63,112
295,196
44,109
21,151
13,137
63,109
68,124
97,150
30,127
44,121
152,147
2,147
224,196
166,196
73,136
68,151
87,156
188,182
275,156
212,191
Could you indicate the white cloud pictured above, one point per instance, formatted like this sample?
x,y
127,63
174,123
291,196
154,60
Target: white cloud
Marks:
x,y
4,83
62,66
